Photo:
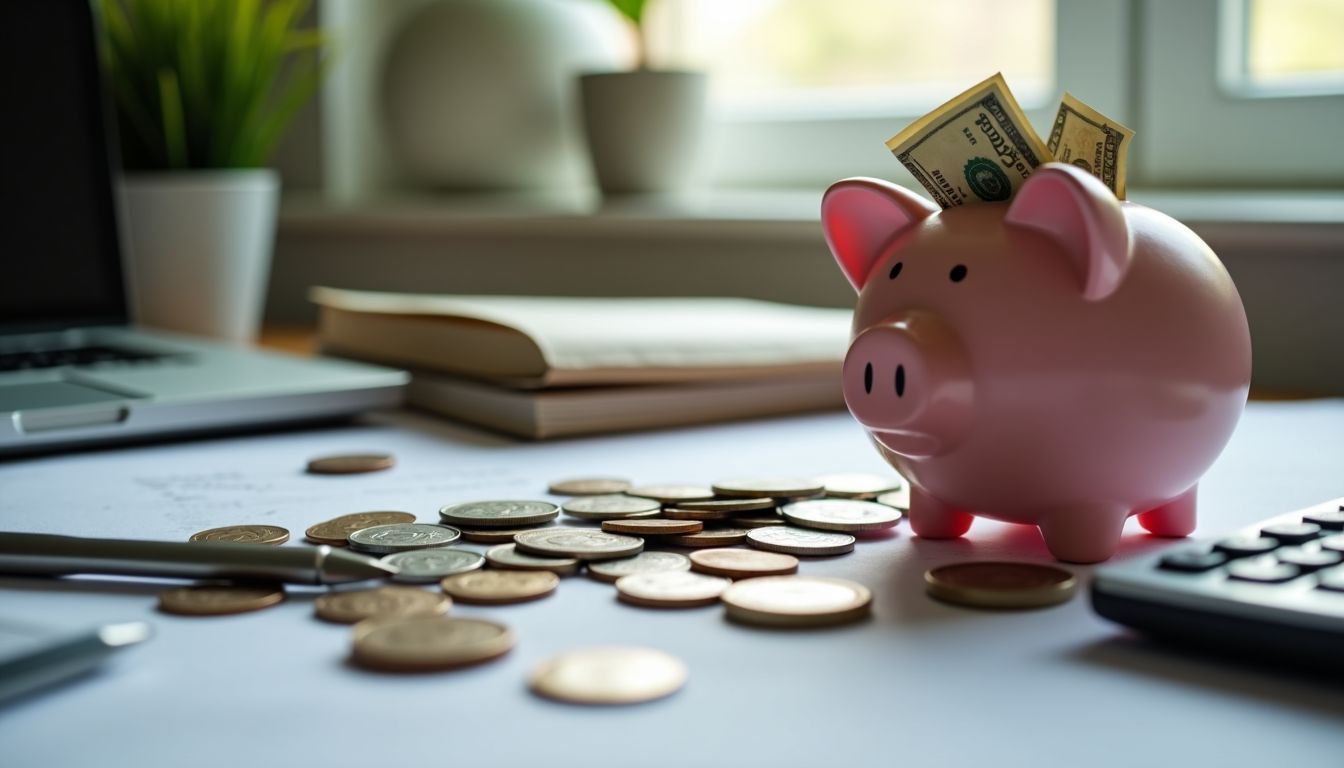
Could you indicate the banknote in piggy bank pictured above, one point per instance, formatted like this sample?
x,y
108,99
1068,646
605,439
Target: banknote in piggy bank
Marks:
x,y
1063,359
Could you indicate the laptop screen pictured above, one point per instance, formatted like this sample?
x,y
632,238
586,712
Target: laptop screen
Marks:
x,y
58,240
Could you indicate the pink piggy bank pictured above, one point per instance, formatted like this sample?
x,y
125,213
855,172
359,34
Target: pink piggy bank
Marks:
x,y
1063,360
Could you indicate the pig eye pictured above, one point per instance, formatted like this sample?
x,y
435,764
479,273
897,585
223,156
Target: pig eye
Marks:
x,y
895,270
958,273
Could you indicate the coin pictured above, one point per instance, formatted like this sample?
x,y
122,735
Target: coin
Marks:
x,y
774,487
491,514
350,607
334,532
398,537
495,535
800,541
499,587
900,499
588,486
609,676
672,493
710,537
757,521
507,557
676,513
858,485
1000,584
611,507
582,543
652,527
424,643
426,566
212,600
644,562
796,601
729,505
244,534
841,514
670,589
350,463
742,563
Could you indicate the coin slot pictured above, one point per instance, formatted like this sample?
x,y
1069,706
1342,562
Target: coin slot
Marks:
x,y
958,273
900,381
895,270
868,378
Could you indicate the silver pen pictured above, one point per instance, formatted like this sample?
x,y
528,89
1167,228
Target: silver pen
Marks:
x,y
52,555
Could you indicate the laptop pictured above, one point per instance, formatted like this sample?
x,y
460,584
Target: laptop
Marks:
x,y
73,369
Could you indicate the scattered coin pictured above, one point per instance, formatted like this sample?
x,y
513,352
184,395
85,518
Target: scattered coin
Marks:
x,y
495,535
588,486
398,537
350,463
350,607
490,514
742,563
670,589
508,557
335,531
1000,584
219,600
757,521
425,643
644,562
611,507
858,485
796,601
800,541
582,543
672,493
652,527
729,505
677,513
244,534
499,587
841,514
609,676
710,537
899,499
426,566
774,487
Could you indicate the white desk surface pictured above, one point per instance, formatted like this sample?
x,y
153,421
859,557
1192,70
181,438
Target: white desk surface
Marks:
x,y
921,684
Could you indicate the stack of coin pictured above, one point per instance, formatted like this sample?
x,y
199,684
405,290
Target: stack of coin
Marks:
x,y
336,531
496,522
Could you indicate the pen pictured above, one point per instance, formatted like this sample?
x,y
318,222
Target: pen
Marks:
x,y
52,555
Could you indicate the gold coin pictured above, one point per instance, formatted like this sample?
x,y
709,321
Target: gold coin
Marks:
x,y
499,587
350,607
507,557
495,535
644,562
1000,585
773,487
859,485
677,513
796,601
729,505
350,463
588,486
672,493
742,563
709,537
609,676
426,643
334,532
211,600
652,527
670,589
244,534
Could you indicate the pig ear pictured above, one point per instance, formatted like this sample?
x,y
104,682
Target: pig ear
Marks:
x,y
861,216
1076,210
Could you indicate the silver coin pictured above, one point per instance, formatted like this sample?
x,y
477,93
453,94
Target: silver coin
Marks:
x,y
644,562
671,493
611,506
859,485
899,499
588,486
800,541
424,566
581,543
486,514
774,487
728,505
398,537
841,514
507,557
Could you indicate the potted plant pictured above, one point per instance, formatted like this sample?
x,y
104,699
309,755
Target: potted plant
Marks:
x,y
203,91
643,126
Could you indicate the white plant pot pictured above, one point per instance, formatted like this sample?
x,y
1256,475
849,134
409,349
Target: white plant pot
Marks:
x,y
644,129
198,249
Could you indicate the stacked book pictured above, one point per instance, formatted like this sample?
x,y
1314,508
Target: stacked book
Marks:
x,y
543,367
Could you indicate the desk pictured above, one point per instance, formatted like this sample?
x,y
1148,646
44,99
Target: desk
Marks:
x,y
920,684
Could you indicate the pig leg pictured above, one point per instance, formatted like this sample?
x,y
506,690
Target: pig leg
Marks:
x,y
1084,535
932,519
1176,518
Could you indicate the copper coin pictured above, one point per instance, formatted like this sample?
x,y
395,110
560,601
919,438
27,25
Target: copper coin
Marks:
x,y
385,602
335,531
588,486
742,563
500,587
677,513
244,534
427,643
709,537
1000,584
757,521
211,600
652,527
350,463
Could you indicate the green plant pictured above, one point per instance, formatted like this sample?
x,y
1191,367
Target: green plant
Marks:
x,y
207,83
633,10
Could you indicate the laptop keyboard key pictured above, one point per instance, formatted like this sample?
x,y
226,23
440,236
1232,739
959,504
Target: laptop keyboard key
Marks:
x,y
1246,546
1292,533
1191,561
1264,571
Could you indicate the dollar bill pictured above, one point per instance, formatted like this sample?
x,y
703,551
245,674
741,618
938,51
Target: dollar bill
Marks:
x,y
976,148
1088,139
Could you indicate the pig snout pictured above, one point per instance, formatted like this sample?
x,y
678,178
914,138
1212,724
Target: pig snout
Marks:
x,y
908,381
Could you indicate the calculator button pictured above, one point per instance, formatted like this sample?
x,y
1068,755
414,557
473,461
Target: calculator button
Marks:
x,y
1333,579
1245,546
1334,543
1191,561
1292,533
1265,571
1309,559
1330,519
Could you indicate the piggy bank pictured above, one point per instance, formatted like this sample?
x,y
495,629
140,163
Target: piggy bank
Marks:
x,y
1064,359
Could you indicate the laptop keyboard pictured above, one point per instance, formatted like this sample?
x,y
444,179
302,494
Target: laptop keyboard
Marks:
x,y
75,356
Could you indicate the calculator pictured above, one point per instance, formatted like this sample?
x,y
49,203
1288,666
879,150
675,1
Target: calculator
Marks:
x,y
1275,588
